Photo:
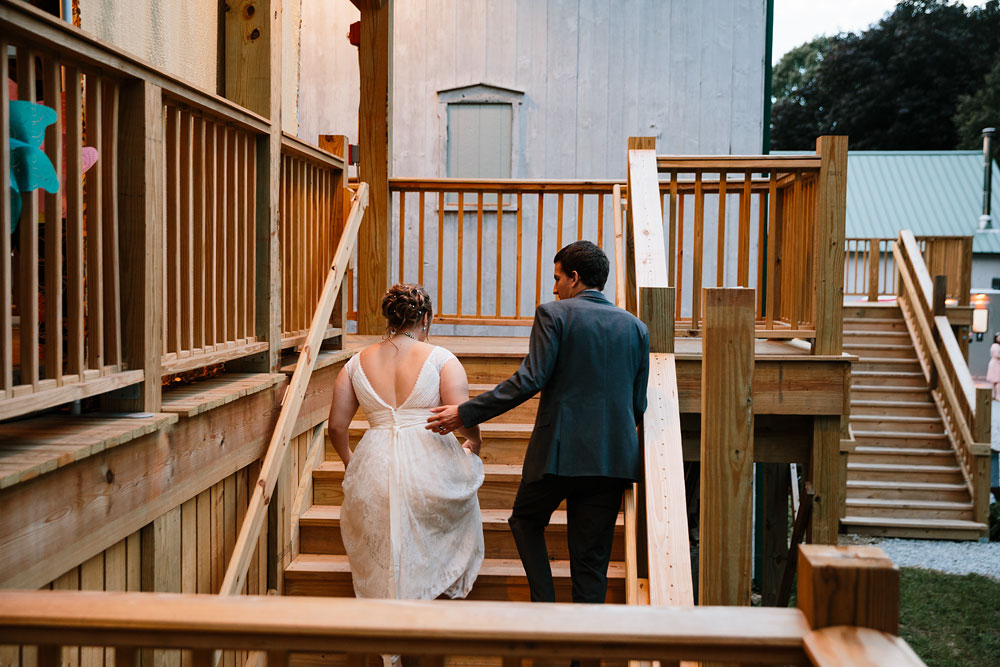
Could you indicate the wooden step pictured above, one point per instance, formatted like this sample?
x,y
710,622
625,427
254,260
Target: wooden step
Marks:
x,y
900,472
901,439
892,408
895,378
872,311
497,492
320,534
502,443
900,490
902,455
934,529
900,393
884,324
892,423
887,365
909,509
329,575
880,350
894,337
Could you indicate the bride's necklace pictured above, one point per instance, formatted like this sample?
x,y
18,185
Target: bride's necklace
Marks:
x,y
408,335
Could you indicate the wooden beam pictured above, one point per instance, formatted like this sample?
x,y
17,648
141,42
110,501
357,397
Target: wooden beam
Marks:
x,y
375,137
828,244
857,586
656,310
645,265
858,647
140,243
725,556
253,49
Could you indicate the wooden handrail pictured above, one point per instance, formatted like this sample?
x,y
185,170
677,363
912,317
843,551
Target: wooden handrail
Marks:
x,y
291,402
435,627
945,369
725,163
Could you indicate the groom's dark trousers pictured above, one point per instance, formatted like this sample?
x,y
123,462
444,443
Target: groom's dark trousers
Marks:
x,y
590,361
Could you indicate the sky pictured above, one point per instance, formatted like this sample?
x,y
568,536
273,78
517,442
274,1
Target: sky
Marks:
x,y
798,21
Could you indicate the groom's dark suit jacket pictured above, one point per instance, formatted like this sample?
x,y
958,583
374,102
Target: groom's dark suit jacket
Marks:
x,y
590,361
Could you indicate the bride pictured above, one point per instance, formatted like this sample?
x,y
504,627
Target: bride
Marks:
x,y
410,518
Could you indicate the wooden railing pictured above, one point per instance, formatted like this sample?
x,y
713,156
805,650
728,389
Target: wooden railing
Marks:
x,y
498,247
209,252
772,248
165,255
965,409
312,193
60,322
870,270
434,630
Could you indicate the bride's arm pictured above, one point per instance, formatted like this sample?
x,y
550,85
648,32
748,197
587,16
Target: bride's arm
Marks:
x,y
342,410
454,391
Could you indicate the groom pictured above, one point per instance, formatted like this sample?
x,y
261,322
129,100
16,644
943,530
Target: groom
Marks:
x,y
590,361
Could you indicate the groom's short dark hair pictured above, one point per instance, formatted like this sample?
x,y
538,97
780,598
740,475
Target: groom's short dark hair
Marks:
x,y
588,260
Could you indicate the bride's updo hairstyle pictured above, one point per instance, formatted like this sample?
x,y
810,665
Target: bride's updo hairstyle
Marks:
x,y
403,306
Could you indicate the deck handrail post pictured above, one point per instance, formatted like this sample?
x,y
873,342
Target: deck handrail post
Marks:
x,y
852,585
874,258
726,547
982,433
140,242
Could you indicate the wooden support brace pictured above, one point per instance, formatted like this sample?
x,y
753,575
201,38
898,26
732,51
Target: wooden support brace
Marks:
x,y
725,555
856,586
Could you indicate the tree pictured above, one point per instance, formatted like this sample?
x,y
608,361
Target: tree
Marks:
x,y
980,110
896,85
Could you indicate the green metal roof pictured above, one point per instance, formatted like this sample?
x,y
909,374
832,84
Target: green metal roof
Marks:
x,y
930,192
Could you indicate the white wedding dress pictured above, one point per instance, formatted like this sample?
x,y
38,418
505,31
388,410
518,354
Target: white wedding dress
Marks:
x,y
410,518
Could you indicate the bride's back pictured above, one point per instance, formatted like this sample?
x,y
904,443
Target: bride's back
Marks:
x,y
393,367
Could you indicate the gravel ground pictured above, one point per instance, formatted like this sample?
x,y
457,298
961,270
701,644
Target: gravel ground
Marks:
x,y
950,557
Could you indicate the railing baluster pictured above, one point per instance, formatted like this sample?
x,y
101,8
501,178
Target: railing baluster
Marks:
x,y
28,230
53,228
499,279
222,248
211,222
801,276
461,232
699,254
600,220
743,251
517,270
198,242
762,227
440,244
559,222
95,216
109,177
402,235
680,254
579,217
186,230
73,186
420,239
479,255
49,655
200,658
773,286
539,228
720,254
251,236
172,253
233,236
672,238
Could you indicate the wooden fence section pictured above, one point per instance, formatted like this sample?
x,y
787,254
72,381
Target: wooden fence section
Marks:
x,y
870,269
774,202
965,409
311,203
60,324
509,232
209,248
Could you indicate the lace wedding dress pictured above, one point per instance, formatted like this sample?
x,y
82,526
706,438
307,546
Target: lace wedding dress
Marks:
x,y
410,517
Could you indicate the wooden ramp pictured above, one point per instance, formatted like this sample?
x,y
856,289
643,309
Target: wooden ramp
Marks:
x,y
903,478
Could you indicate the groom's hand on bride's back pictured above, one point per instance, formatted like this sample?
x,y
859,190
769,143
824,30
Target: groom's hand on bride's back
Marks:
x,y
444,420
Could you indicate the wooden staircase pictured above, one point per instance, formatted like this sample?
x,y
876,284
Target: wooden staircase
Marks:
x,y
903,479
322,568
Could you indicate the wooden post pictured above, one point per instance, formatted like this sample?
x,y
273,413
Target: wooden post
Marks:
x,y
726,447
828,273
375,136
856,586
940,295
774,546
140,243
253,80
631,294
874,256
981,432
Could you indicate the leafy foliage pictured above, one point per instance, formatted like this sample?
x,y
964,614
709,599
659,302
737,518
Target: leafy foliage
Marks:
x,y
979,111
896,85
